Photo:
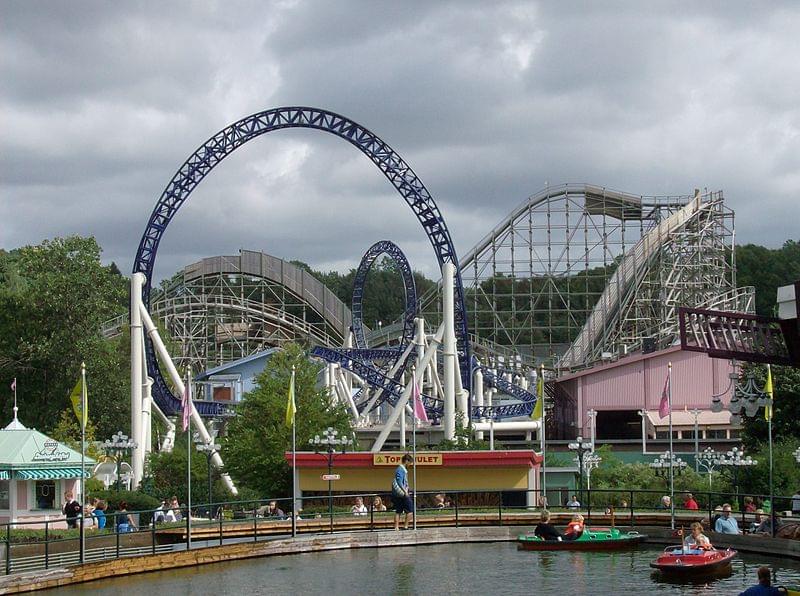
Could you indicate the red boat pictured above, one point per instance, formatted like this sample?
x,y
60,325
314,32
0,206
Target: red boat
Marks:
x,y
679,560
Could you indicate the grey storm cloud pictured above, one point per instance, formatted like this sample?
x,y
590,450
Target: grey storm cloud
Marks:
x,y
488,102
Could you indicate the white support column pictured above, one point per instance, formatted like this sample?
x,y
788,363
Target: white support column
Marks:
x,y
477,387
449,345
196,420
403,401
137,368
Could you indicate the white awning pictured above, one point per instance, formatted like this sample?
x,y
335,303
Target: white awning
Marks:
x,y
683,418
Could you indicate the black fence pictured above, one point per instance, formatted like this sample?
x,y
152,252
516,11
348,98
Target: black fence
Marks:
x,y
30,545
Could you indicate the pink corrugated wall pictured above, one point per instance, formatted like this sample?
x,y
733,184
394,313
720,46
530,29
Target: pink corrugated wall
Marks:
x,y
695,377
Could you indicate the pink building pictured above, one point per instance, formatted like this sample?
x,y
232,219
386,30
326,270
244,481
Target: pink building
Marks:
x,y
625,394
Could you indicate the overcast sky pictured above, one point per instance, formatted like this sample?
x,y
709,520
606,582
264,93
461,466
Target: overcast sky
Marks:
x,y
100,103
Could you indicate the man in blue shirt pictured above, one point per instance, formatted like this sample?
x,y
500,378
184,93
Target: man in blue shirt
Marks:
x,y
764,587
401,496
726,524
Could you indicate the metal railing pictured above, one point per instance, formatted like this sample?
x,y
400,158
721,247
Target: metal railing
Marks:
x,y
27,546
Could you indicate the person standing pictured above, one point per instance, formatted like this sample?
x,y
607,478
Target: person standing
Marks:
x,y
72,510
401,496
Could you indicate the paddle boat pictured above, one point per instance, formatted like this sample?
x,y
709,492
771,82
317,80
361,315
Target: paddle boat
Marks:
x,y
597,539
687,561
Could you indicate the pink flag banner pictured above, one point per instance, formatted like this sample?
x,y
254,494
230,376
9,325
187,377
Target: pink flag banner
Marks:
x,y
663,408
14,384
186,403
419,409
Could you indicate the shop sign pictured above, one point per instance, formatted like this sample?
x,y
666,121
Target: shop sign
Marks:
x,y
393,459
50,452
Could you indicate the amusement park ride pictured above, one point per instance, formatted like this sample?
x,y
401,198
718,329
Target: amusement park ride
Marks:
x,y
652,257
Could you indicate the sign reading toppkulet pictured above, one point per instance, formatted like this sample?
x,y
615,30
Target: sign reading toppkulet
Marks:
x,y
393,459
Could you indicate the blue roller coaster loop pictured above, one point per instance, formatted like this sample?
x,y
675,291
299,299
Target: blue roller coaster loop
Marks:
x,y
222,144
373,252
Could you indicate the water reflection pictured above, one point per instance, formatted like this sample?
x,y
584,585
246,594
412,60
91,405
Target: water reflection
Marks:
x,y
441,569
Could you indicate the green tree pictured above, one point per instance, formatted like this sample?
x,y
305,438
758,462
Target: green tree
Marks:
x,y
68,432
786,406
53,300
767,270
257,438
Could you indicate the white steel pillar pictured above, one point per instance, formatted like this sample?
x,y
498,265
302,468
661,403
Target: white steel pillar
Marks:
x,y
477,387
449,346
137,368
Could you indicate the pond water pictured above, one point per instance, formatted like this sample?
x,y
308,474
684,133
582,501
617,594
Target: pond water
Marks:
x,y
496,568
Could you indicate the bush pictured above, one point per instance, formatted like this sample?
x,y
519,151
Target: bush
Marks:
x,y
137,502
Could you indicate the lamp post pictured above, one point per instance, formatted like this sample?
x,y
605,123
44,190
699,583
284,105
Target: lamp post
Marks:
x,y
592,414
119,443
590,462
709,460
327,444
735,461
208,449
668,465
580,447
643,414
696,413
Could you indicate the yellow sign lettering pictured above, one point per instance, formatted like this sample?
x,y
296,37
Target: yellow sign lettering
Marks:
x,y
394,459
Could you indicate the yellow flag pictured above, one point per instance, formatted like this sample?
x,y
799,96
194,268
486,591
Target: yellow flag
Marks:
x,y
291,408
768,390
538,409
80,401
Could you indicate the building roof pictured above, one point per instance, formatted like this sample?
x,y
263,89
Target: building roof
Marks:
x,y
232,366
686,418
27,453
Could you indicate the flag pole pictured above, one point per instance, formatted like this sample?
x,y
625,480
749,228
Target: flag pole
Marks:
x,y
769,433
83,454
671,453
294,460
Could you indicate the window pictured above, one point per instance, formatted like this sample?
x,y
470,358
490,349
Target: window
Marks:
x,y
4,487
664,434
717,433
45,494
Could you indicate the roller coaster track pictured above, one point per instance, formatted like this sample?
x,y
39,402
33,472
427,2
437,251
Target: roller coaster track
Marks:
x,y
222,144
373,252
359,363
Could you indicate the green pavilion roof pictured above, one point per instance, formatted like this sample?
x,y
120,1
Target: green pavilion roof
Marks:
x,y
26,453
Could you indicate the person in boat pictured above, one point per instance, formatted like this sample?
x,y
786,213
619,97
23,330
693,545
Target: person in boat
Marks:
x,y
697,540
764,587
573,503
574,528
764,523
665,503
545,530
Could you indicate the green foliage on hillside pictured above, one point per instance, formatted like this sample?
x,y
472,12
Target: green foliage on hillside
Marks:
x,y
767,270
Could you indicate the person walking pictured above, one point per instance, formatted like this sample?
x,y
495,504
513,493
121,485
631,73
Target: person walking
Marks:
x,y
401,496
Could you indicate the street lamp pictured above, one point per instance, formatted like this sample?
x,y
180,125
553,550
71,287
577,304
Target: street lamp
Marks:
x,y
735,461
665,461
581,448
119,443
327,444
696,413
208,449
709,460
590,462
592,414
